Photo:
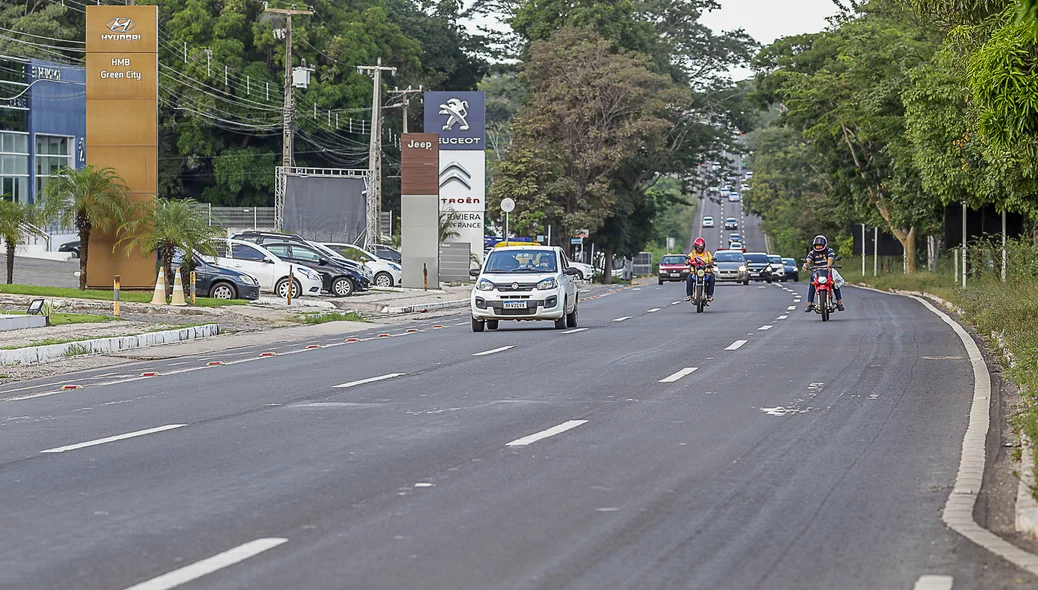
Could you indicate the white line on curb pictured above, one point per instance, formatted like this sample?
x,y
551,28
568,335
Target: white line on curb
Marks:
x,y
958,511
369,380
575,331
736,345
496,350
767,327
682,373
207,566
626,317
932,582
522,442
101,441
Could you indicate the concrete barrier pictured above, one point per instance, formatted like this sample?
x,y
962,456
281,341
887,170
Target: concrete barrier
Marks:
x,y
42,354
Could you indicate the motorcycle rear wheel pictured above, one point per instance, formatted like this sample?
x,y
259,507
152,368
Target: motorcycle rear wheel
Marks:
x,y
823,301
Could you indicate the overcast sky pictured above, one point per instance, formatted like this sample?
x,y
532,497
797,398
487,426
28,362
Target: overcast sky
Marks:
x,y
767,20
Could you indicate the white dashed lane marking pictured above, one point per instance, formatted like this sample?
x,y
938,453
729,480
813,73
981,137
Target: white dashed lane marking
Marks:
x,y
932,582
682,373
654,310
736,345
623,319
767,327
782,317
207,566
368,380
574,331
526,440
101,441
493,351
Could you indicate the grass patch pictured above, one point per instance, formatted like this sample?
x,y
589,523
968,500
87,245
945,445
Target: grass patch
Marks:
x,y
64,319
106,295
332,316
76,350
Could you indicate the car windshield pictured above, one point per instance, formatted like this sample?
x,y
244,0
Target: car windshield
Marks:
x,y
502,261
789,261
728,257
673,260
777,259
757,258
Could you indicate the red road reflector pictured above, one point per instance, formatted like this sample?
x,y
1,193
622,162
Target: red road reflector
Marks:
x,y
437,327
412,330
352,340
383,335
149,374
268,354
70,387
214,363
312,346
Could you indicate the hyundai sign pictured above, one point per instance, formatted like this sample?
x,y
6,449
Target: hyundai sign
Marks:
x,y
458,117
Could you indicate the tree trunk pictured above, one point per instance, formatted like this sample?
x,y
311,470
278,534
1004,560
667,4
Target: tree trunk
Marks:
x,y
908,243
167,264
10,261
84,245
607,274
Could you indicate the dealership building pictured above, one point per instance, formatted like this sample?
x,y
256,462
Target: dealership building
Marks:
x,y
42,123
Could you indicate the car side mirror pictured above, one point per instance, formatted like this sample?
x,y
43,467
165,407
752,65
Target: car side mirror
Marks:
x,y
323,262
474,273
267,260
572,271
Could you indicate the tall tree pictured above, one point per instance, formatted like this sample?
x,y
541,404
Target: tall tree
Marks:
x,y
87,199
18,221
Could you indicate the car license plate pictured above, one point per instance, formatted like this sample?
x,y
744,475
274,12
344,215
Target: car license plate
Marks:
x,y
515,305
675,274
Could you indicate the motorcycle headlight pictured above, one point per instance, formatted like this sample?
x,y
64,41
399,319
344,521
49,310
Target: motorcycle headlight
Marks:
x,y
546,284
484,285
823,280
700,272
742,269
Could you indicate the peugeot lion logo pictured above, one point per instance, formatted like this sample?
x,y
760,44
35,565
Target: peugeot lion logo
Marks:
x,y
457,112
120,25
456,172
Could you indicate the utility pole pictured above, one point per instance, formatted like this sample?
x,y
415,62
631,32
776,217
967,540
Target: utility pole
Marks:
x,y
375,152
405,101
288,132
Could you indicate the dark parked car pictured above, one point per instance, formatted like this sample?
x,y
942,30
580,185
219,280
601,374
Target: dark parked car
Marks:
x,y
792,271
220,282
70,247
340,277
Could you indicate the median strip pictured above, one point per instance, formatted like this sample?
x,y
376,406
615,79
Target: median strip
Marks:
x,y
682,373
101,441
496,350
207,566
526,440
368,380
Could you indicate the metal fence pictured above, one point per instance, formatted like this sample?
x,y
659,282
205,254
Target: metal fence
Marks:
x,y
239,217
642,264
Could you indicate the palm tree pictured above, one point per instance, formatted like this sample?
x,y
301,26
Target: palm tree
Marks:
x,y
17,222
447,226
170,225
86,199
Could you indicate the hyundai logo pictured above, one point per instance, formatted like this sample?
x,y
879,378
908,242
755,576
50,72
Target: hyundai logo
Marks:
x,y
120,25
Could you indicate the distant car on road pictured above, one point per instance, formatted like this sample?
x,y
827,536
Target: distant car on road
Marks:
x,y
757,263
792,271
776,268
587,272
708,221
732,238
737,246
673,267
524,283
731,223
731,267
734,197
70,247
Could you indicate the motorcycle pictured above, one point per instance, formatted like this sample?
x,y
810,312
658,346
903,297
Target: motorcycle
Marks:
x,y
698,274
825,296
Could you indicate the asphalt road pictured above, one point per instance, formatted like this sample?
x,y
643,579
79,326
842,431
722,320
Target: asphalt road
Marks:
x,y
746,447
717,237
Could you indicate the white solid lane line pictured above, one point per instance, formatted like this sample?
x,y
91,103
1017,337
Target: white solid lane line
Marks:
x,y
682,373
486,352
767,327
625,318
736,345
654,310
369,380
575,331
932,582
219,561
101,441
522,442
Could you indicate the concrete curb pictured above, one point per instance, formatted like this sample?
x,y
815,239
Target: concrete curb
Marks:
x,y
42,354
421,307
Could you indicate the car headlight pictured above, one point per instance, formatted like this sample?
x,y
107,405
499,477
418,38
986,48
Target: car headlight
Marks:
x,y
742,269
546,284
394,267
248,280
823,280
306,272
484,285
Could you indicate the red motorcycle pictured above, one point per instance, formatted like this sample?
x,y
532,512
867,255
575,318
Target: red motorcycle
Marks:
x,y
698,272
825,296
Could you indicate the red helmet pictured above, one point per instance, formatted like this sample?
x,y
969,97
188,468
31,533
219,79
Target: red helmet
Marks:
x,y
699,244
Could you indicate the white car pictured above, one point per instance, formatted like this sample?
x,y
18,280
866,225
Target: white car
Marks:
x,y
386,273
708,222
733,197
524,283
587,272
265,267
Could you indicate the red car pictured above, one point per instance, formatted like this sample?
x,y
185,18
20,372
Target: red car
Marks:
x,y
673,267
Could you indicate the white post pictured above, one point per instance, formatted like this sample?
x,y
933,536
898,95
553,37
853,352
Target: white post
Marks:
x,y
506,229
549,235
964,244
863,249
875,252
1004,259
955,255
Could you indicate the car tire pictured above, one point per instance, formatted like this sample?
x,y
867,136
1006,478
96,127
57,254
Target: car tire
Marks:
x,y
343,287
492,324
477,326
571,318
383,280
661,281
223,290
281,288
560,324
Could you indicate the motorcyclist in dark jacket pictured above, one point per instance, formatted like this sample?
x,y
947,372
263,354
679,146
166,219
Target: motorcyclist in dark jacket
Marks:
x,y
820,255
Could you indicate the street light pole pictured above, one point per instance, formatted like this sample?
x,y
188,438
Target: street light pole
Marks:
x,y
288,131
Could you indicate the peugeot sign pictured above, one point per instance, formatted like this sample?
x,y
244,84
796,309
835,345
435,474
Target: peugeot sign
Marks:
x,y
458,117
